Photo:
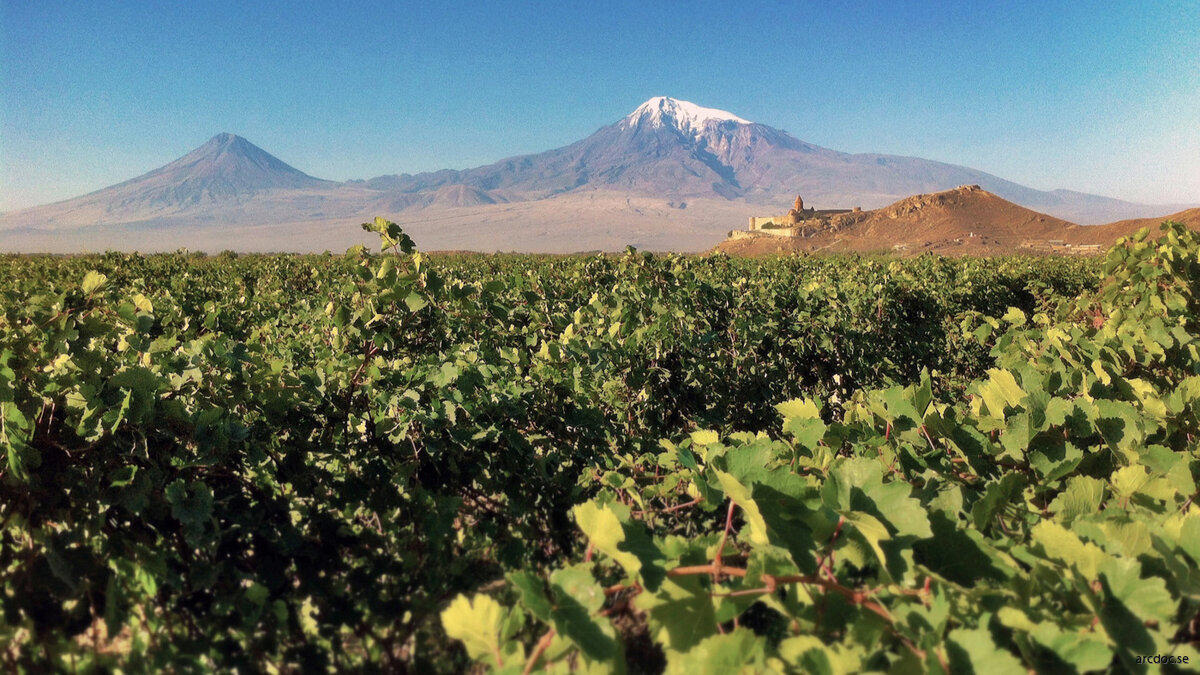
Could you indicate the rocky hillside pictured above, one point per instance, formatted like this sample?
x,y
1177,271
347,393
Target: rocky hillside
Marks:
x,y
965,220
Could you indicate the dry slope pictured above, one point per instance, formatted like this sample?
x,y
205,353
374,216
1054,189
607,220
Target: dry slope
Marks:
x,y
965,220
1106,234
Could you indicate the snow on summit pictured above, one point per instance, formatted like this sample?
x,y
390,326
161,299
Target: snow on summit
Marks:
x,y
683,115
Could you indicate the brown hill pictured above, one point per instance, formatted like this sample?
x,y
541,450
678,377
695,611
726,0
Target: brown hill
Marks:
x,y
1107,234
965,220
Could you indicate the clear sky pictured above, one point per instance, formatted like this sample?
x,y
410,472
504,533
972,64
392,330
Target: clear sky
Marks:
x,y
1101,97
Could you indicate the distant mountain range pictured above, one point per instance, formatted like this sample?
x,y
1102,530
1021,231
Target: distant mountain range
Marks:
x,y
676,149
671,174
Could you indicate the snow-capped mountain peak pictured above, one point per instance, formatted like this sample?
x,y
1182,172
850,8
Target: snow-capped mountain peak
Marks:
x,y
686,116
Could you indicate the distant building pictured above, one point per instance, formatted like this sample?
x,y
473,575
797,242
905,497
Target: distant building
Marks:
x,y
799,221
1060,246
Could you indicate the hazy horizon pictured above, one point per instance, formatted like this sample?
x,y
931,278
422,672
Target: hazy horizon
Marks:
x,y
1052,96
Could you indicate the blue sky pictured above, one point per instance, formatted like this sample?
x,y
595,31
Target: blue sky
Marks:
x,y
1101,97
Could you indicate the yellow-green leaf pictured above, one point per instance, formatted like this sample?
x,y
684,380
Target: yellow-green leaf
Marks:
x,y
741,495
476,623
93,280
604,531
1064,546
999,390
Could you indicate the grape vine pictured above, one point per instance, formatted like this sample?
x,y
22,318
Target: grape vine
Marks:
x,y
389,460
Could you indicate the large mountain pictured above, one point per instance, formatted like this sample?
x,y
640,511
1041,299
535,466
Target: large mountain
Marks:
x,y
671,174
676,149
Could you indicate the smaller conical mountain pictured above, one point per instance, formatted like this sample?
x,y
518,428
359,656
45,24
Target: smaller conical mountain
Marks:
x,y
226,167
227,170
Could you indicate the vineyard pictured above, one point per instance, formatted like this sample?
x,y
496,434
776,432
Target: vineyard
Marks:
x,y
389,461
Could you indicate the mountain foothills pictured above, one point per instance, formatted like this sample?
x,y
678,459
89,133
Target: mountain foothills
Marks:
x,y
966,220
670,175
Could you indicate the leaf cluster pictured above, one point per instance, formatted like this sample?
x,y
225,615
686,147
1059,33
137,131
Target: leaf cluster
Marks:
x,y
299,462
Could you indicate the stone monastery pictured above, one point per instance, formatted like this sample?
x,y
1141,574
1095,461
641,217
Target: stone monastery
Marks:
x,y
799,222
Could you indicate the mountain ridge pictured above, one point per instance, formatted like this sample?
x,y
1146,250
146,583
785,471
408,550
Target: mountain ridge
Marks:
x,y
665,153
717,154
